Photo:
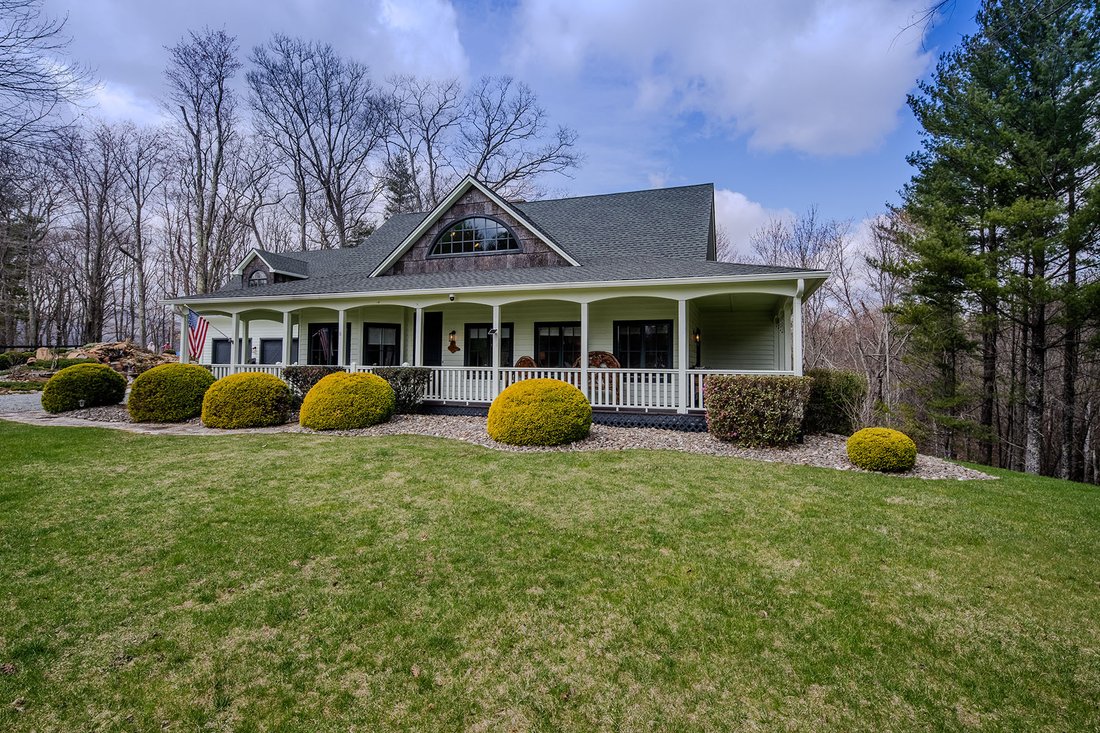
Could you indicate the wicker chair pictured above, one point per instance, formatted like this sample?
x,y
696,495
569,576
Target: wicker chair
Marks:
x,y
525,362
601,360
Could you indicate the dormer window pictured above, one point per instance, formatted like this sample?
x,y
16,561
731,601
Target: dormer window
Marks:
x,y
474,236
257,279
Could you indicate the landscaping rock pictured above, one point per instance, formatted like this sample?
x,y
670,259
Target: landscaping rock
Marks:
x,y
124,357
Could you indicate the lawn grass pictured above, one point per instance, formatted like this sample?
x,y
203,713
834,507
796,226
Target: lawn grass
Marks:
x,y
288,582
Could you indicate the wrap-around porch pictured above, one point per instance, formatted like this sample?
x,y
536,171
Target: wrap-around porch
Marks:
x,y
646,352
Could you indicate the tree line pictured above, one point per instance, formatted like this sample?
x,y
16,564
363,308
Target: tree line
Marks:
x,y
291,147
973,307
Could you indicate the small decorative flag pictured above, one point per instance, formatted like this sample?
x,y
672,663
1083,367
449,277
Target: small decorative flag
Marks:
x,y
196,334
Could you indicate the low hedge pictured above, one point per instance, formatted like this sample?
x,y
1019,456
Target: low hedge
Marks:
x,y
302,378
246,400
539,412
169,393
95,384
835,398
14,386
410,384
882,449
756,411
344,401
9,359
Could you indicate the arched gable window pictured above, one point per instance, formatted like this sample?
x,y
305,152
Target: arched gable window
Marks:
x,y
474,236
257,279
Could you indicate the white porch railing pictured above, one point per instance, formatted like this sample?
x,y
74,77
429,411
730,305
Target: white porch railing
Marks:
x,y
222,370
696,377
461,384
631,389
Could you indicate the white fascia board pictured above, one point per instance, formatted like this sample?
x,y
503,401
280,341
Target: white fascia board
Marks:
x,y
437,213
815,276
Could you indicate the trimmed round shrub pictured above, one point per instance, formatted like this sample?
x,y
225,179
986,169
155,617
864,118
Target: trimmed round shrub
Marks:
x,y
95,384
539,412
344,401
246,400
169,393
882,449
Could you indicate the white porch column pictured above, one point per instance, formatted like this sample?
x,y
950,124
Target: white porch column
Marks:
x,y
340,328
234,344
682,343
585,387
497,338
185,352
246,343
418,338
288,337
796,327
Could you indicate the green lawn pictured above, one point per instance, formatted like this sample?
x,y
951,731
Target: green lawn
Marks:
x,y
294,582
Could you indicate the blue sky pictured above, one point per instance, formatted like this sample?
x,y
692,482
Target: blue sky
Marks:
x,y
782,104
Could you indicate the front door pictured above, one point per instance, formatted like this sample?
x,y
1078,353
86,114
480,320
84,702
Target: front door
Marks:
x,y
433,338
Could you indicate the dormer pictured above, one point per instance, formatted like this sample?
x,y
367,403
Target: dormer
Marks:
x,y
259,269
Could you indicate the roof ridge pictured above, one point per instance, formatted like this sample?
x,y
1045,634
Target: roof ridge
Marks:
x,y
614,193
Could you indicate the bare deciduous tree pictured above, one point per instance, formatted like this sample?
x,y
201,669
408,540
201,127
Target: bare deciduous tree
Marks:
x,y
142,174
504,142
34,82
200,99
322,111
422,119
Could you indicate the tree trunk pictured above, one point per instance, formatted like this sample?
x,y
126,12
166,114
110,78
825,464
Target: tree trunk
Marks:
x,y
1036,370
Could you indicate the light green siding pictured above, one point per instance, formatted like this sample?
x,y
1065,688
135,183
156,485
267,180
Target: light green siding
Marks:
x,y
738,339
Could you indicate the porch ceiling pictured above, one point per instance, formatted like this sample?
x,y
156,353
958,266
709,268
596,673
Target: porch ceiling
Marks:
x,y
732,302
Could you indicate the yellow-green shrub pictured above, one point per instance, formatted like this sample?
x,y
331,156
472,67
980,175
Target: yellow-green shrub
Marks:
x,y
95,384
169,393
540,412
882,449
345,401
246,400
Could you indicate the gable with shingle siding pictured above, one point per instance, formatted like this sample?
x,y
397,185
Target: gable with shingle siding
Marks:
x,y
533,251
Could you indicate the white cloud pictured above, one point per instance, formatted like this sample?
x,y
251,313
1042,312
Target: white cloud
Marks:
x,y
417,37
114,102
739,218
814,76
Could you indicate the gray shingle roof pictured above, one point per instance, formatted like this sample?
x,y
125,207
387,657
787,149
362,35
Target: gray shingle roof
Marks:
x,y
284,263
640,235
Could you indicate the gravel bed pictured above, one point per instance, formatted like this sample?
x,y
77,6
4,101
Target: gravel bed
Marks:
x,y
21,402
825,451
106,413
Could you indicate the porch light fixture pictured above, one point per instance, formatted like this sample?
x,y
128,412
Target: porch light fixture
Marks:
x,y
452,337
697,337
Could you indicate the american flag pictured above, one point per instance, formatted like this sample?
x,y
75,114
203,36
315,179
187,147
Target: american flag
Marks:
x,y
196,333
